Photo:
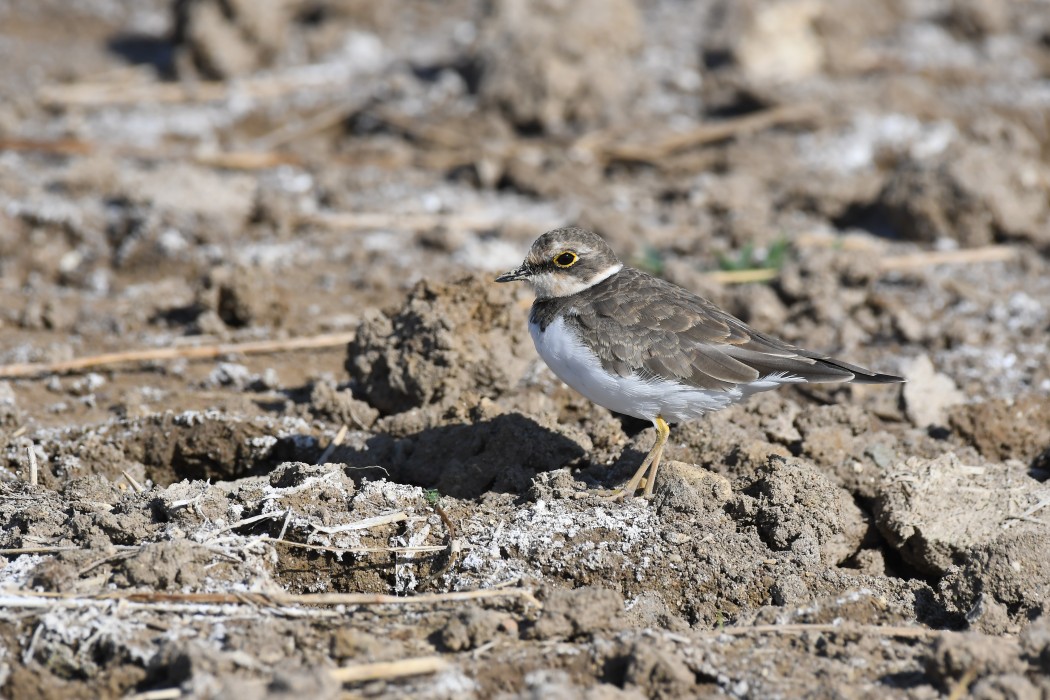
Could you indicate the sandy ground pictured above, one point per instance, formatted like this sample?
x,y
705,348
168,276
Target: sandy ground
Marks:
x,y
418,488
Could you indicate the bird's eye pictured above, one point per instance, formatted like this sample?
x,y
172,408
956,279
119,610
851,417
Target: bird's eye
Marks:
x,y
566,259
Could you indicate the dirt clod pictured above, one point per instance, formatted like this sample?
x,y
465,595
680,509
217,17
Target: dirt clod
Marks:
x,y
242,297
340,407
415,356
968,195
166,566
928,394
975,507
471,628
1035,641
1002,429
796,508
556,64
687,490
958,655
569,614
656,672
1013,571
231,38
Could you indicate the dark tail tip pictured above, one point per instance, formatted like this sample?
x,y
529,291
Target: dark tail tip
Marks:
x,y
862,375
876,378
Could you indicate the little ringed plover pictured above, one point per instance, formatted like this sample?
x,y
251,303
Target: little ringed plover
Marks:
x,y
644,347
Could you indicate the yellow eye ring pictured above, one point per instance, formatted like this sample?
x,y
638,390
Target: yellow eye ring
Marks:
x,y
566,258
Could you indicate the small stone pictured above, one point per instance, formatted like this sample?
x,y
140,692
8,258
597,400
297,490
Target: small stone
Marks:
x,y
929,394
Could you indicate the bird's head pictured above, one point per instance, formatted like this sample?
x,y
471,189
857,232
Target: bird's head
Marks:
x,y
565,261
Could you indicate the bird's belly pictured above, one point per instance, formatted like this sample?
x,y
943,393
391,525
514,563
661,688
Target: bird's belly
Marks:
x,y
579,367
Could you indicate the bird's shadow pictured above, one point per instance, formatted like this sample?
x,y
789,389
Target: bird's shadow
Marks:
x,y
502,454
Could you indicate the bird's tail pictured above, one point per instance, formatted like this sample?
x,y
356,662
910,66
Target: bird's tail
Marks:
x,y
860,374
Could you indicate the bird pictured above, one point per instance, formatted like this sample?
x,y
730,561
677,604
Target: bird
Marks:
x,y
644,347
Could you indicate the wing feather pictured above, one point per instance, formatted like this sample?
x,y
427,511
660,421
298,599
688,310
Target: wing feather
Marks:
x,y
639,324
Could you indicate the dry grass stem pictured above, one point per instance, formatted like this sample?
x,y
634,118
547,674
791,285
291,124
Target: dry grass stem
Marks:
x,y
709,133
105,560
30,599
336,442
297,128
380,221
257,347
388,670
239,160
961,689
229,160
897,263
284,525
802,628
38,550
33,468
965,256
1026,516
742,276
116,93
363,524
159,694
131,480
248,521
63,147
357,550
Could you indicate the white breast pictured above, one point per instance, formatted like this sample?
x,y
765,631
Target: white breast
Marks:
x,y
576,365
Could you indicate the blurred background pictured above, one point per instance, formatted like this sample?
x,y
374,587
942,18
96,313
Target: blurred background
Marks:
x,y
238,169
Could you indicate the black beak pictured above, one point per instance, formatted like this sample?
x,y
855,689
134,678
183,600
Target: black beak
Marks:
x,y
522,273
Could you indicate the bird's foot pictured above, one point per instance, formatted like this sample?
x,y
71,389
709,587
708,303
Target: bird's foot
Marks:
x,y
617,495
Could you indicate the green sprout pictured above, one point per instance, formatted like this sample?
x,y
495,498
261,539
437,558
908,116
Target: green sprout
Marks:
x,y
650,261
747,258
720,620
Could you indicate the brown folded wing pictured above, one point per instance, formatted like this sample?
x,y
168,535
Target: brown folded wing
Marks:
x,y
639,324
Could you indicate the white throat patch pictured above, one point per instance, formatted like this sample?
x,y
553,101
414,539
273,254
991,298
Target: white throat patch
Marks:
x,y
550,284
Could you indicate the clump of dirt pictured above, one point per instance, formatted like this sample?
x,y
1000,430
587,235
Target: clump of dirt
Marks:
x,y
974,655
1002,584
554,65
165,566
928,394
468,335
339,406
243,297
969,194
476,626
1002,429
229,38
568,614
796,508
968,522
1035,642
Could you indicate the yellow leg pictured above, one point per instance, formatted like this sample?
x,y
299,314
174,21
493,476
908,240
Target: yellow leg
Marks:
x,y
650,464
663,432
